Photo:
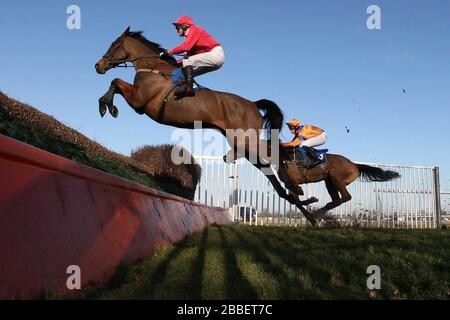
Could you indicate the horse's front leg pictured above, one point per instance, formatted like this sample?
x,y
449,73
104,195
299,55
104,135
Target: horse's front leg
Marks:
x,y
307,202
107,100
126,90
293,198
299,204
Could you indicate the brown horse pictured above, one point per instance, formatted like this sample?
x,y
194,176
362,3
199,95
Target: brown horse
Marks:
x,y
338,172
151,94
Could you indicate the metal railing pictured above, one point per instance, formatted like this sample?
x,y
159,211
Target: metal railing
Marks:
x,y
411,201
445,207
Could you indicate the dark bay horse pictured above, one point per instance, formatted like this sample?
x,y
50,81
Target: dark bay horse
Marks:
x,y
150,94
338,172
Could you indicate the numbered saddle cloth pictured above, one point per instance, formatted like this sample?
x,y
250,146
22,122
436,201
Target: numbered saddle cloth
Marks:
x,y
320,153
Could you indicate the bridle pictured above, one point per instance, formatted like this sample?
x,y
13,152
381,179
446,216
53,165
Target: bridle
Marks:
x,y
123,63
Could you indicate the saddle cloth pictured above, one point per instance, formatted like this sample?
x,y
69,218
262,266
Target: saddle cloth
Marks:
x,y
321,154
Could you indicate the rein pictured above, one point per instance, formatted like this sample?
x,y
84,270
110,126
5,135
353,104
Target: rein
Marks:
x,y
124,61
124,64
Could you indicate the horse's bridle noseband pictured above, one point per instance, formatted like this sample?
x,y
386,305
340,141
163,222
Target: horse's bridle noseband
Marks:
x,y
117,63
123,62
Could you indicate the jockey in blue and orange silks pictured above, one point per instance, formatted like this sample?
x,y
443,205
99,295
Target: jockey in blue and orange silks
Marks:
x,y
305,136
204,53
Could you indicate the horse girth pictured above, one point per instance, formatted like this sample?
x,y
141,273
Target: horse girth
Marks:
x,y
163,107
303,165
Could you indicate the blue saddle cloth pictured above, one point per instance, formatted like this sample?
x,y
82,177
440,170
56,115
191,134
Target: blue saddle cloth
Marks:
x,y
178,78
321,154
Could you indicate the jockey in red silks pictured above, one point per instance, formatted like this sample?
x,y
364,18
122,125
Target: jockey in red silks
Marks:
x,y
204,53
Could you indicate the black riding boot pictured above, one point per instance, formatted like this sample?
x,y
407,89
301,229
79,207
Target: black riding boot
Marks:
x,y
187,89
312,154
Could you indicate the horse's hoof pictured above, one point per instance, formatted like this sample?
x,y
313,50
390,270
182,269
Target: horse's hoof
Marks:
x,y
310,218
228,160
312,221
114,111
319,214
102,109
314,199
330,222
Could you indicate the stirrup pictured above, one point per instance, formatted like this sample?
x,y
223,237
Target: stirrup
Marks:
x,y
189,92
183,91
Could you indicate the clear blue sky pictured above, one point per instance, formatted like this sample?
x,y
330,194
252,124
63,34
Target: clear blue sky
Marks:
x,y
316,59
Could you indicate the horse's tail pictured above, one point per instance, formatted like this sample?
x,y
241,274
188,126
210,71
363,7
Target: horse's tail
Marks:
x,y
369,173
273,116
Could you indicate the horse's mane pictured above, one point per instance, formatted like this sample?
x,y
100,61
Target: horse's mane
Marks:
x,y
155,47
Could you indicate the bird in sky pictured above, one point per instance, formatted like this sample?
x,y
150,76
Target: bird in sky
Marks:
x,y
348,130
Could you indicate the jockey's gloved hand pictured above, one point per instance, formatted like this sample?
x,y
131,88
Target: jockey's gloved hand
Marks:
x,y
164,54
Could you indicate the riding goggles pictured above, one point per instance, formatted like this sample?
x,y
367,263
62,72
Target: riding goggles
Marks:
x,y
181,26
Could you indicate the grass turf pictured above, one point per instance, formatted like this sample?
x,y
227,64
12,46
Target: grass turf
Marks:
x,y
242,262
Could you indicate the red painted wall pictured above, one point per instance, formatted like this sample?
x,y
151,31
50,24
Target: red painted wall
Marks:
x,y
55,212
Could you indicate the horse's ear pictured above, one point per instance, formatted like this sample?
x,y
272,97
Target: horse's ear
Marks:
x,y
127,31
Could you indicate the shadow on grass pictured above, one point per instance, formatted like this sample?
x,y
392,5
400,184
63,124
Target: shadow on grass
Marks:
x,y
409,263
198,265
149,290
237,286
317,265
285,263
258,249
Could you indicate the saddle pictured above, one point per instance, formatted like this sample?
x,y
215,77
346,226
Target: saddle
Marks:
x,y
301,158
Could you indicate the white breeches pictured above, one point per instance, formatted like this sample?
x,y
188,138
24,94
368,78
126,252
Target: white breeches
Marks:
x,y
207,61
315,141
